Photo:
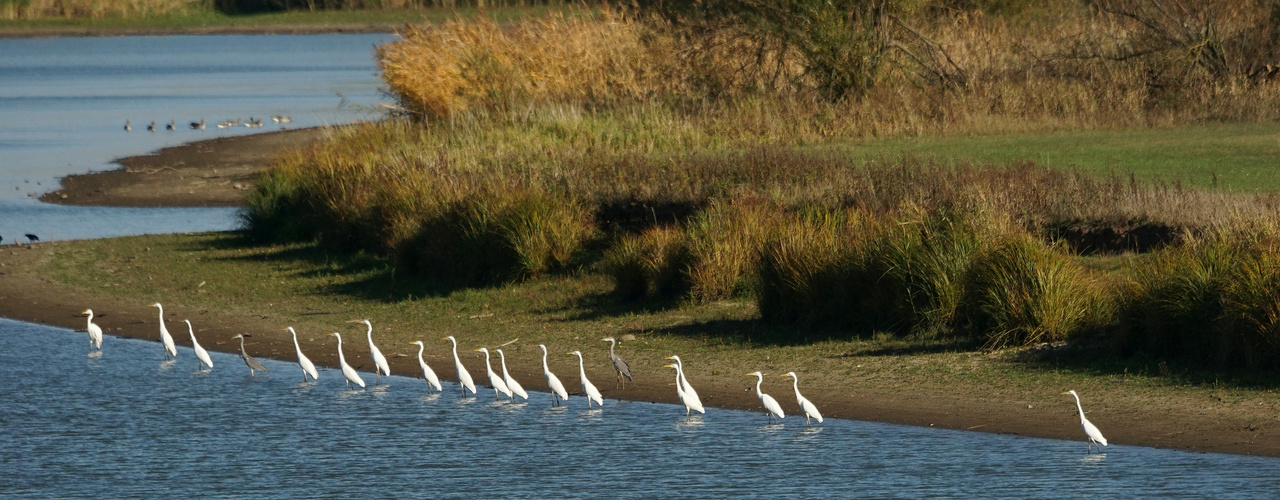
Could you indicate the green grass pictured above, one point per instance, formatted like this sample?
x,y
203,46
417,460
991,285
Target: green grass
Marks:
x,y
1243,157
302,19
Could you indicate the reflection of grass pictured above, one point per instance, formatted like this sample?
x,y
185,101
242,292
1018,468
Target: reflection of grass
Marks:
x,y
1242,156
205,20
314,290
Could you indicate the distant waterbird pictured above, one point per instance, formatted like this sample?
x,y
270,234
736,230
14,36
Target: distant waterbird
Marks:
x,y
31,238
620,367
165,338
380,366
496,382
281,119
809,409
172,125
553,382
427,373
152,126
308,368
516,390
253,364
588,388
771,406
464,377
684,391
127,126
198,125
1090,430
202,356
95,333
347,371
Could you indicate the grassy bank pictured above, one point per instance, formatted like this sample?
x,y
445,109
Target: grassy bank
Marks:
x,y
602,144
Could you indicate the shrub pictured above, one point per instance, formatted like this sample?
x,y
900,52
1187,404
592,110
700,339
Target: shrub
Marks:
x,y
650,264
725,240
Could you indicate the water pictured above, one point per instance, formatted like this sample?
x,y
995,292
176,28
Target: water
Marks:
x,y
125,423
64,102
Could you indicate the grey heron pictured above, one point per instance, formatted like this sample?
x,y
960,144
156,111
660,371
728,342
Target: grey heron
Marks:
x,y
553,382
308,368
496,382
253,364
380,366
347,371
588,388
464,377
771,405
511,382
1090,430
620,367
809,409
427,373
95,333
201,355
165,338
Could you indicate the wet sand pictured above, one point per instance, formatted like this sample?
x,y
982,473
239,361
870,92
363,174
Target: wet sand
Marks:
x,y
209,173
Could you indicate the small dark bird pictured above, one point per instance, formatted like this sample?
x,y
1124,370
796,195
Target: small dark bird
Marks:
x,y
127,127
152,127
32,238
170,126
198,125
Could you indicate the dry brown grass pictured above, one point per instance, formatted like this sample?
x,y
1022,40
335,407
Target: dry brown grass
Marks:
x,y
97,9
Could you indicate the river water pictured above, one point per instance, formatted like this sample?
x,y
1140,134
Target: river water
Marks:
x,y
125,423
64,102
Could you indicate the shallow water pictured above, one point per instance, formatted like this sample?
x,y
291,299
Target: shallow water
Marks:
x,y
126,423
64,102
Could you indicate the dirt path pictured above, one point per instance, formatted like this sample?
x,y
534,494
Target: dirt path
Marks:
x,y
214,172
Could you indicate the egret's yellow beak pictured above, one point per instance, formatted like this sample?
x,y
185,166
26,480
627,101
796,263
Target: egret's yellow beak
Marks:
x,y
668,366
1065,393
354,320
86,311
475,350
444,338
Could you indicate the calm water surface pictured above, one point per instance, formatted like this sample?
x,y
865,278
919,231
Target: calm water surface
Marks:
x,y
126,423
64,102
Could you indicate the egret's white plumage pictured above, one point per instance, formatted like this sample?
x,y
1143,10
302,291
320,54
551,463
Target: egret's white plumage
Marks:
x,y
1090,430
380,366
347,371
165,338
809,409
427,373
95,333
684,386
464,377
201,354
511,382
308,368
691,403
496,382
588,388
770,405
553,382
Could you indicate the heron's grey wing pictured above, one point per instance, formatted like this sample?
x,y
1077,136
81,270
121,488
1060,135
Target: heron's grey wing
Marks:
x,y
622,367
253,363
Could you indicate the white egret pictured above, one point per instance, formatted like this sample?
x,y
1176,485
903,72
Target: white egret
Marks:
x,y
464,377
201,354
95,333
427,373
684,385
347,371
1090,430
588,388
620,367
494,380
308,368
691,403
810,411
253,364
165,338
770,405
553,382
511,382
380,366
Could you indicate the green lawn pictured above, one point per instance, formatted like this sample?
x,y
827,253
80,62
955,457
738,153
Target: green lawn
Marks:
x,y
1244,157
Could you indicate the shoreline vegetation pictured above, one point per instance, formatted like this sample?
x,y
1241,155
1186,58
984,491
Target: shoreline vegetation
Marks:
x,y
682,173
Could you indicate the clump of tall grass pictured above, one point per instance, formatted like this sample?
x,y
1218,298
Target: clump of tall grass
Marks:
x,y
1022,291
649,264
1211,300
725,240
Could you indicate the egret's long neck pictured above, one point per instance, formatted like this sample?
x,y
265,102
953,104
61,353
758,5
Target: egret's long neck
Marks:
x,y
370,334
420,349
759,380
192,332
795,384
582,370
295,341
545,368
90,317
502,358
341,359
1078,407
